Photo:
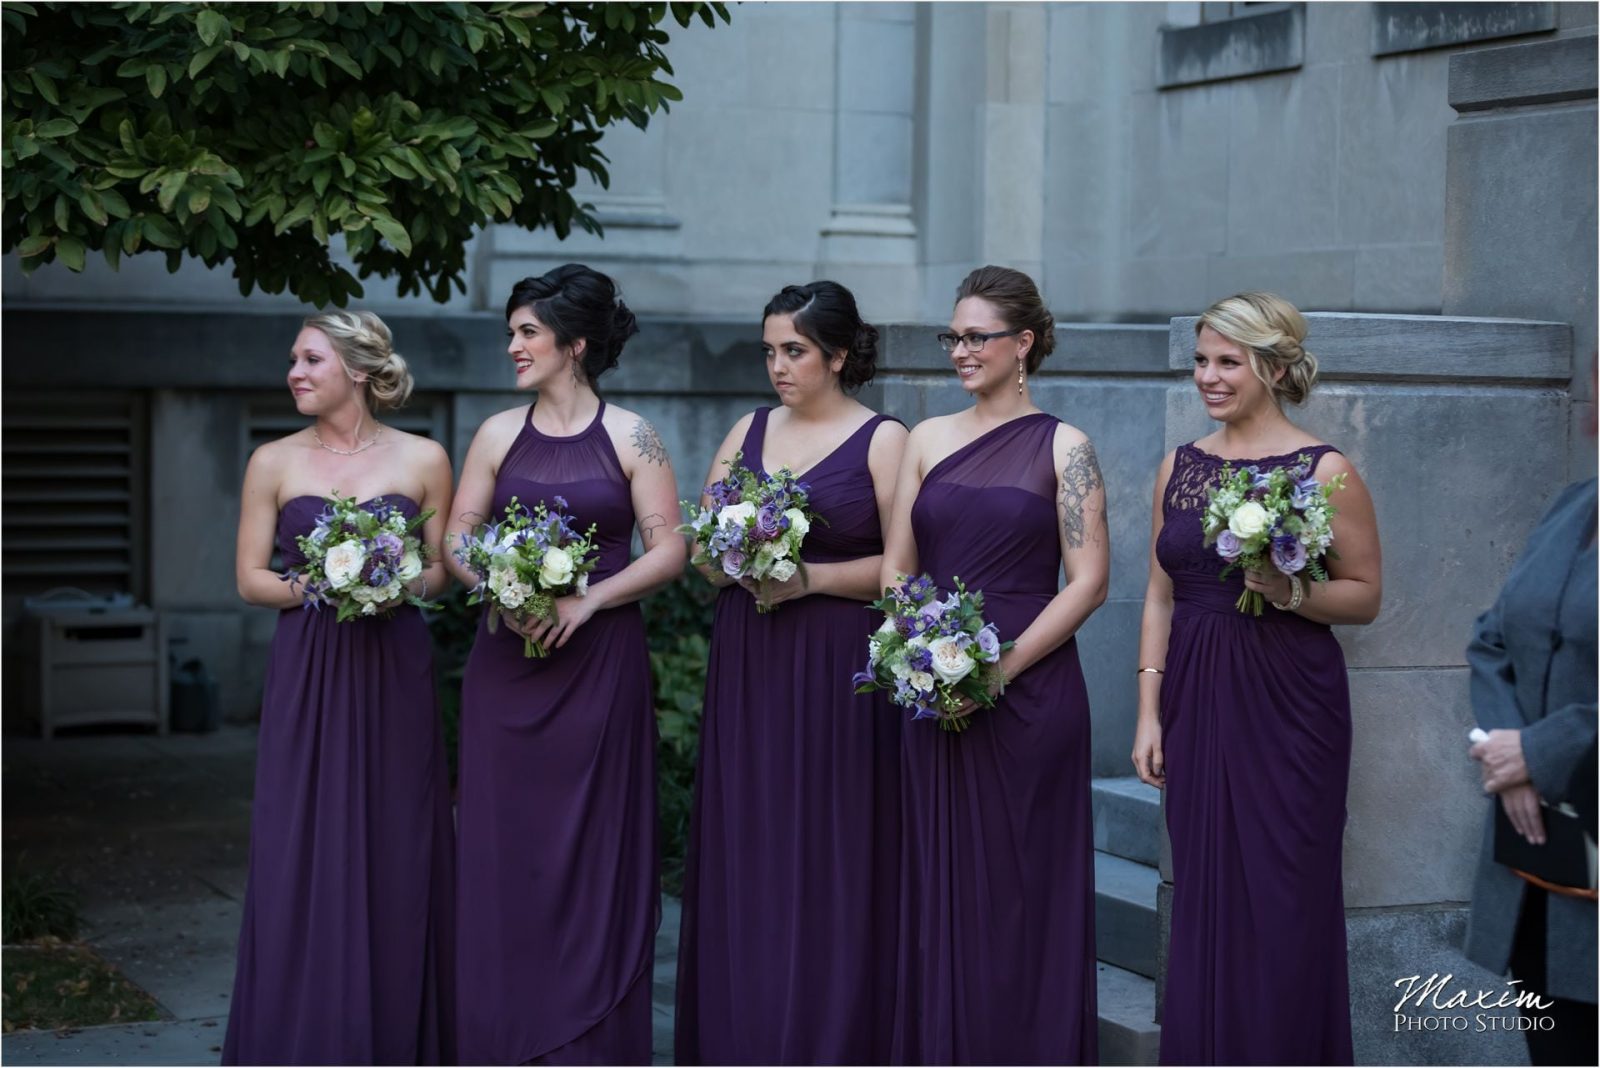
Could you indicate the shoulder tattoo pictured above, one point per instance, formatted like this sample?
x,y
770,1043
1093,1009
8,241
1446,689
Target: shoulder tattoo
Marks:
x,y
648,442
1079,479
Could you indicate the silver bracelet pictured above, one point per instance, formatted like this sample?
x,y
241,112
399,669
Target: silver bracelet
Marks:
x,y
1150,671
1296,592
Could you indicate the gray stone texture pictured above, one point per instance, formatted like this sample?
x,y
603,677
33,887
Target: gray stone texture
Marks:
x,y
1502,77
1409,27
1247,44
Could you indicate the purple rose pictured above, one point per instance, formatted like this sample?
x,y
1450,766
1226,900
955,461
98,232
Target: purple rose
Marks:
x,y
989,644
732,563
767,522
1288,555
389,543
920,659
1229,547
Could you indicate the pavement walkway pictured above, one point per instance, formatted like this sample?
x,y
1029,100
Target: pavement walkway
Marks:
x,y
154,834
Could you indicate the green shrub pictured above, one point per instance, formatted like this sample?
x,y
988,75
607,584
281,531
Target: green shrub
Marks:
x,y
36,904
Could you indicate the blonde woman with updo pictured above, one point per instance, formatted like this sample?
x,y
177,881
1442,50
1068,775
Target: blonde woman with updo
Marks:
x,y
344,954
1244,721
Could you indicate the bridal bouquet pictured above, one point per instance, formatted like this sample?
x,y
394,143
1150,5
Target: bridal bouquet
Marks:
x,y
931,653
754,527
360,558
527,560
1280,518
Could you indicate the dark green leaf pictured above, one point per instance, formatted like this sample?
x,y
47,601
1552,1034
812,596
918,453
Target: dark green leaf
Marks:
x,y
155,76
161,233
202,59
70,251
212,24
56,128
33,246
393,233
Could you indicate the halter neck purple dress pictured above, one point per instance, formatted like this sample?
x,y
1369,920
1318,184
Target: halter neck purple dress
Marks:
x,y
997,955
344,953
1255,720
787,948
558,879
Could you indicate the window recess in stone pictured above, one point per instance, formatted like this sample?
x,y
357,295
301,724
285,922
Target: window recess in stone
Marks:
x,y
1398,28
1254,39
74,491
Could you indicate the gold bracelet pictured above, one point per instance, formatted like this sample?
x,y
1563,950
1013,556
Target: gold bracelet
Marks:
x,y
1150,671
1296,592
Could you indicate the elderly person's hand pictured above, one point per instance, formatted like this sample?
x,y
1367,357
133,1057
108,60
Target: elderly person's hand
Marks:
x,y
1500,757
1522,808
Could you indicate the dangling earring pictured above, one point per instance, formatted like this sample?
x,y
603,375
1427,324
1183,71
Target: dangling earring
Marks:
x,y
1019,377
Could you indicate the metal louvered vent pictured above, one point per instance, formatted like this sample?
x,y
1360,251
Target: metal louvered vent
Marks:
x,y
73,490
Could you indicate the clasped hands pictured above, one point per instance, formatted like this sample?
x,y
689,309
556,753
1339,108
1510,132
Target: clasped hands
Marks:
x,y
552,632
1505,772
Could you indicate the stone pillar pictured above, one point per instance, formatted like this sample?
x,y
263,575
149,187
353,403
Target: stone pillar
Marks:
x,y
870,239
1520,201
1010,138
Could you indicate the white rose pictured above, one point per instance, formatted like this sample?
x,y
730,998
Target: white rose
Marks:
x,y
363,594
557,567
780,550
922,681
950,661
343,563
508,592
736,514
583,584
1248,520
887,627
410,566
784,570
798,522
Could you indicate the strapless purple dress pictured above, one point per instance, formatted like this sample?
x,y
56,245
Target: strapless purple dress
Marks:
x,y
345,952
1255,720
787,947
997,955
558,877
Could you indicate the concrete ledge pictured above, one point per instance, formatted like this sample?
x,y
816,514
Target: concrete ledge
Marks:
x,y
1367,347
1258,43
1413,27
1081,348
1539,72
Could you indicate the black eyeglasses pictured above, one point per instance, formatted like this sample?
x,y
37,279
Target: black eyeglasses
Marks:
x,y
974,341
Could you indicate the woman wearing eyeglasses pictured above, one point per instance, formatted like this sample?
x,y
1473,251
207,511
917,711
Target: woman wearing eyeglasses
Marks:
x,y
997,958
787,948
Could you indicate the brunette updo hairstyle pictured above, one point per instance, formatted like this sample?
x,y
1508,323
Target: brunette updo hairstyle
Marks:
x,y
574,301
1017,299
366,347
1271,332
825,314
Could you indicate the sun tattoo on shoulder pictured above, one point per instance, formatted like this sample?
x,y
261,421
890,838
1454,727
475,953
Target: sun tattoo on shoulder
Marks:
x,y
648,442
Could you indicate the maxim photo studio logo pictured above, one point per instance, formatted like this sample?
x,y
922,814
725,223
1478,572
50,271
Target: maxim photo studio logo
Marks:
x,y
1438,1007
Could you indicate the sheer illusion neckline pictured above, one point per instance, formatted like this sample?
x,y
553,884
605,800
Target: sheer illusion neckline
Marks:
x,y
1290,455
986,434
766,424
369,500
585,432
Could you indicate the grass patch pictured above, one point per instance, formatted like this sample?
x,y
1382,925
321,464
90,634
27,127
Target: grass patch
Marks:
x,y
35,904
50,984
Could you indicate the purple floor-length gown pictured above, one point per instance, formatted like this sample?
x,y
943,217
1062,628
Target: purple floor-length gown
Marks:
x,y
997,956
1255,718
557,872
345,952
787,947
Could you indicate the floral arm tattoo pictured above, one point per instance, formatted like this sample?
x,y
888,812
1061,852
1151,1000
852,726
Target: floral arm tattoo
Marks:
x,y
1079,479
648,442
649,526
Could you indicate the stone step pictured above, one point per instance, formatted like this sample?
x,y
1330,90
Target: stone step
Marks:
x,y
1125,913
1127,819
1127,1003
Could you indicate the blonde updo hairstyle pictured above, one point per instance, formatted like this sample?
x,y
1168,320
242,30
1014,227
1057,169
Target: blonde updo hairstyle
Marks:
x,y
365,346
1272,332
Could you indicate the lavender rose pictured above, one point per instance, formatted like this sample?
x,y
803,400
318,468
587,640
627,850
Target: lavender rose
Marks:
x,y
989,644
732,563
767,522
1288,555
1229,545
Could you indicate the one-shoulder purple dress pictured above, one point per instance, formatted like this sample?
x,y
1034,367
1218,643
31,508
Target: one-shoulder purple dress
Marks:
x,y
787,948
558,880
1255,720
997,955
345,952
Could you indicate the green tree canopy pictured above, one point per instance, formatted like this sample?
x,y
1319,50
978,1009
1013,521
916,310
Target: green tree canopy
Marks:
x,y
252,133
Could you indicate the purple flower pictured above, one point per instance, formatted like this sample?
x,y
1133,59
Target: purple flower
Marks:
x,y
732,563
1288,555
1306,493
863,678
1229,547
389,543
920,659
767,521
989,644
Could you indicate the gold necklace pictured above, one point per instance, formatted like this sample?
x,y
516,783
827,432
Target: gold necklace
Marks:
x,y
363,447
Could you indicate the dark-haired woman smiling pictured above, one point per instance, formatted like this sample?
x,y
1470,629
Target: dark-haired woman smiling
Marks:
x,y
787,947
557,810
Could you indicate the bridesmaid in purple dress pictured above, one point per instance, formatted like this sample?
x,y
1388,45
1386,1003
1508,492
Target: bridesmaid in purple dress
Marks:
x,y
787,947
344,954
1245,721
557,869
997,956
